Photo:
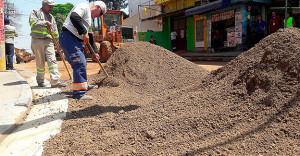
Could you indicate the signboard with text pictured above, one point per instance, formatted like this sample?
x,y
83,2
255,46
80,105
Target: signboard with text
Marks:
x,y
222,16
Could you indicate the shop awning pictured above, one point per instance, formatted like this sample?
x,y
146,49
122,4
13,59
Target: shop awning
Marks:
x,y
166,14
207,7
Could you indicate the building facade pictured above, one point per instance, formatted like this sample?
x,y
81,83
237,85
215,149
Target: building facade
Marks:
x,y
216,25
133,5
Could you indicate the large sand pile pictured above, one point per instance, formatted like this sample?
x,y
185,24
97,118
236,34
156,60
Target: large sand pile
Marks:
x,y
157,103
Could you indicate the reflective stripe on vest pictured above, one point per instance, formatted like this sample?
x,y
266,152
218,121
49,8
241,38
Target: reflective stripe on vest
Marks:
x,y
42,31
289,22
40,70
8,35
80,86
53,67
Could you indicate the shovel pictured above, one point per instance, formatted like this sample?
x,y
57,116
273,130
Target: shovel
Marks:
x,y
59,51
94,55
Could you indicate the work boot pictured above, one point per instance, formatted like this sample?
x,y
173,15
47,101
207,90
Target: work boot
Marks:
x,y
42,84
91,86
58,85
86,97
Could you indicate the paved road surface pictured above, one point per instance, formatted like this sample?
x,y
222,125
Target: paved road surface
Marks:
x,y
93,67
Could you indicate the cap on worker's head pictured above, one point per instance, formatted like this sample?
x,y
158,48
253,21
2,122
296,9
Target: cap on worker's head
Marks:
x,y
101,5
6,20
49,2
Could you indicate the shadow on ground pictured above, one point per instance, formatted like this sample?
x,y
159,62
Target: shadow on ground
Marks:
x,y
87,112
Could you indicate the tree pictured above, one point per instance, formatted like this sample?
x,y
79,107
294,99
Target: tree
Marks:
x,y
60,13
62,9
114,4
10,11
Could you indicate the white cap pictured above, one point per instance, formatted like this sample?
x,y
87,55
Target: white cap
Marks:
x,y
101,4
49,2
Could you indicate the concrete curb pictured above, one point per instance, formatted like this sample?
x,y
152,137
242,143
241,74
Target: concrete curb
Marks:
x,y
43,119
25,97
20,106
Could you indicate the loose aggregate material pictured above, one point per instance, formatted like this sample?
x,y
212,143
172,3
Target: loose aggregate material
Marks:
x,y
157,103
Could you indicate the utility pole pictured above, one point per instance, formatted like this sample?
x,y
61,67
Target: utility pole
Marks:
x,y
9,9
285,20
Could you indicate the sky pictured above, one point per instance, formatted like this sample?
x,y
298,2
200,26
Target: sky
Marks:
x,y
25,7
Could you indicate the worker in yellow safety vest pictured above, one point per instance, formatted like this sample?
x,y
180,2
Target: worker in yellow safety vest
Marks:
x,y
290,22
42,44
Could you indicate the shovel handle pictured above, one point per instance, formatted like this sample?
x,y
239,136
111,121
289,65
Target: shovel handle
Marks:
x,y
59,51
94,54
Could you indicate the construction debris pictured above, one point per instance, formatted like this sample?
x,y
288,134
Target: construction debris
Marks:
x,y
23,55
171,106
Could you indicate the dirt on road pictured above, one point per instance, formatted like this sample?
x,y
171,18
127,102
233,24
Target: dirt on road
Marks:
x,y
157,103
92,68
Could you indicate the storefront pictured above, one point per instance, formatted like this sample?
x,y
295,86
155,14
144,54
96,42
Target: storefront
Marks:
x,y
179,25
202,23
220,29
222,32
223,25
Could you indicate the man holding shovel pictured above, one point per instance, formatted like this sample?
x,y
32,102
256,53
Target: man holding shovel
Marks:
x,y
42,44
74,32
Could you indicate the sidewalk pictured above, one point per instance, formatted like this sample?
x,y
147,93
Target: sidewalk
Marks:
x,y
16,97
29,115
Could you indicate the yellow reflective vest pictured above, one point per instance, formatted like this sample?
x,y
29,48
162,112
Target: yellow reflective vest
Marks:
x,y
289,22
37,21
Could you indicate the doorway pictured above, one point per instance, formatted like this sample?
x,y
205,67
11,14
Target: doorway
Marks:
x,y
179,25
199,33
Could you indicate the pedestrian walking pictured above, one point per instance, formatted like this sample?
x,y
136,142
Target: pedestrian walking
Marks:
x,y
173,40
75,31
275,23
42,44
10,34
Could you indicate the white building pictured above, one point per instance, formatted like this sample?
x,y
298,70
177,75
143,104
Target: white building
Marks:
x,y
133,5
139,22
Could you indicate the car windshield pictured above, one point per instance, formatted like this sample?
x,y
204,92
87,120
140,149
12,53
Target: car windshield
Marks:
x,y
109,18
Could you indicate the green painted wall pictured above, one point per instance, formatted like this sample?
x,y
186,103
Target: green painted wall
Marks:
x,y
159,36
163,38
190,33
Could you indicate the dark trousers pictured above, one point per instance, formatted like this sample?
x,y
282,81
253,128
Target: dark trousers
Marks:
x,y
74,52
173,44
9,52
259,37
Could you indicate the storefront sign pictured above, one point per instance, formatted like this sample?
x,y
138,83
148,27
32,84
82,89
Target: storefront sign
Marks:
x,y
222,16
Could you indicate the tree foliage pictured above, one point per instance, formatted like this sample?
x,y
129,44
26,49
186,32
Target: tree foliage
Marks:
x,y
114,4
60,13
62,9
60,19
10,11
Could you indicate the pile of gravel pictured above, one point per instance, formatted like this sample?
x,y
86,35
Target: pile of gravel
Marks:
x,y
156,103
